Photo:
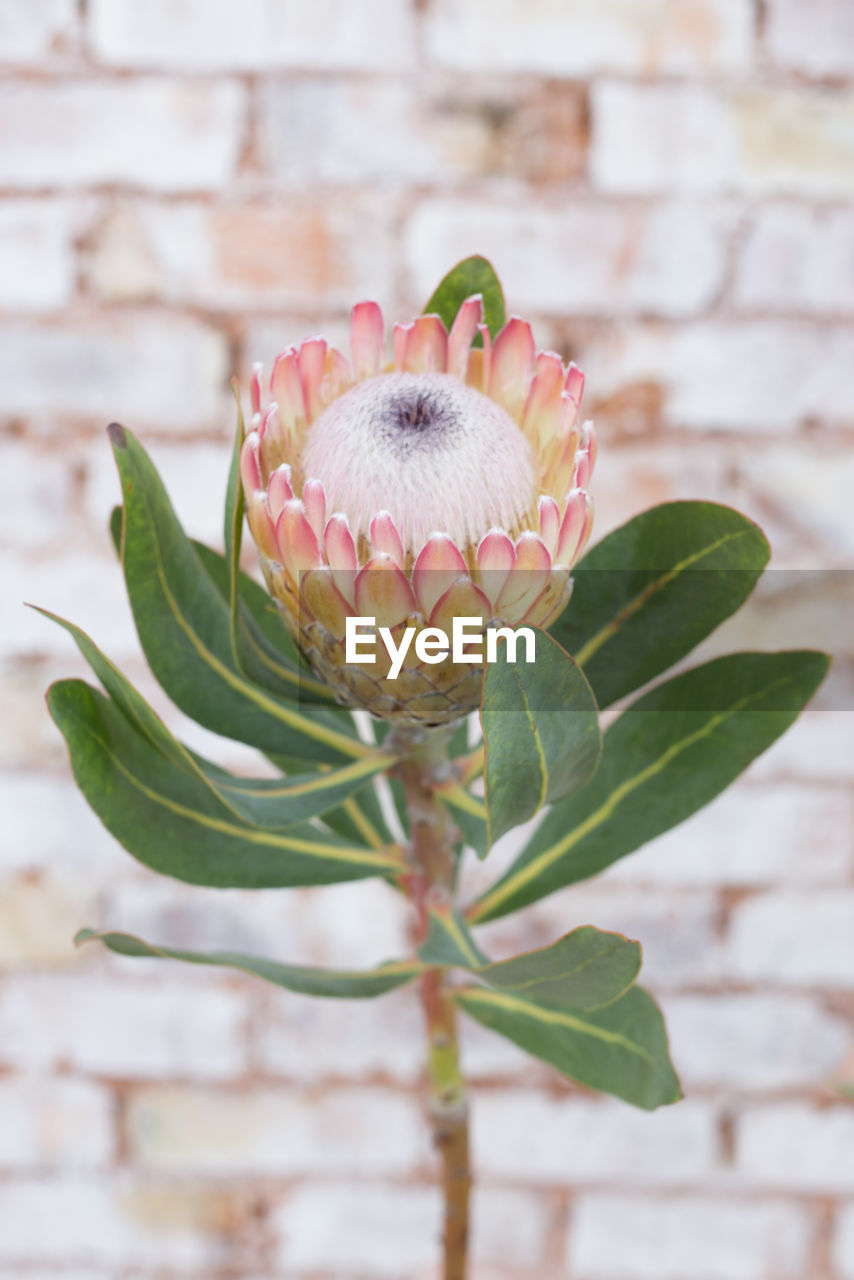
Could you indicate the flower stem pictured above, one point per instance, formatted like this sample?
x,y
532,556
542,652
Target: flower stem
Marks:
x,y
432,837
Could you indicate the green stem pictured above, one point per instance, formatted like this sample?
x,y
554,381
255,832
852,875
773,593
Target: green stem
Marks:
x,y
422,769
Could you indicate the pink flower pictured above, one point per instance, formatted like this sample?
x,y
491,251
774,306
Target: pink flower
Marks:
x,y
450,481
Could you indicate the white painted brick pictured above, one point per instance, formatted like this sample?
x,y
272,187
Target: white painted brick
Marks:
x,y
37,268
794,938
369,1132
706,1239
164,134
31,32
109,1028
337,926
688,138
714,375
817,39
819,747
86,588
571,1140
114,1222
59,1123
678,930
195,477
667,260
647,37
798,259
795,1146
39,918
35,495
48,824
257,36
386,1231
509,1228
843,1242
305,1039
145,371
753,836
756,1041
300,252
430,130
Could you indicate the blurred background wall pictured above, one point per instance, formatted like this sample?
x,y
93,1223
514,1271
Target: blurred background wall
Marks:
x,y
186,186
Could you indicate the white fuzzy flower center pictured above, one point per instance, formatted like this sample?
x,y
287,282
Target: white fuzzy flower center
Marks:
x,y
436,454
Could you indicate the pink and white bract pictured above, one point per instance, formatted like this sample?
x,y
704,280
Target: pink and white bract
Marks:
x,y
449,481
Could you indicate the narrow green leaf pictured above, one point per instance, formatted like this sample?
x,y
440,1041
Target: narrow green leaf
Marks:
x,y
266,802
183,624
449,943
468,814
472,275
332,983
649,592
669,754
541,733
174,823
620,1049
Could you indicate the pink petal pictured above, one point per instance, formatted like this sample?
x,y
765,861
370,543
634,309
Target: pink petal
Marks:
x,y
439,563
549,514
572,528
341,554
512,363
480,362
298,545
255,387
367,339
386,539
286,389
462,600
528,576
543,408
337,378
400,334
314,500
383,592
250,464
574,383
589,442
462,334
261,525
279,490
495,556
311,362
324,600
581,472
426,346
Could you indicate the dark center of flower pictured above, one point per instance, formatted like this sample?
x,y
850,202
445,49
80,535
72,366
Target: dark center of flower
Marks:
x,y
414,416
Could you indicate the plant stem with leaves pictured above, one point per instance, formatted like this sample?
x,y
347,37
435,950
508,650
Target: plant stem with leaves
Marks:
x,y
424,763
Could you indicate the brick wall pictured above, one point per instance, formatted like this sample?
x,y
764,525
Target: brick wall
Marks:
x,y
666,188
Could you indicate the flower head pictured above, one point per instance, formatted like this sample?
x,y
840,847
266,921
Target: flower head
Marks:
x,y
450,481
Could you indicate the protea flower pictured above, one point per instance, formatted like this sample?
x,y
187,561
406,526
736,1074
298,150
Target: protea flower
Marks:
x,y
450,481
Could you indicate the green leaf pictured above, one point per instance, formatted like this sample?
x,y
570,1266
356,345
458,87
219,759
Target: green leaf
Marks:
x,y
583,970
541,733
183,623
468,815
449,943
669,754
472,275
649,592
267,802
620,1049
172,820
333,983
